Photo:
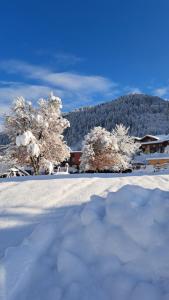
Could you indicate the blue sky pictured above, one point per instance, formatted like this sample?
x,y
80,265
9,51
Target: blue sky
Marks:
x,y
87,52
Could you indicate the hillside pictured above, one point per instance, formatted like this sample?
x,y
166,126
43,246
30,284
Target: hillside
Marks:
x,y
142,113
84,237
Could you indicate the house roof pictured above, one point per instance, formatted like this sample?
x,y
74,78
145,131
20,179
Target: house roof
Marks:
x,y
157,158
76,151
162,137
158,139
142,158
147,135
153,142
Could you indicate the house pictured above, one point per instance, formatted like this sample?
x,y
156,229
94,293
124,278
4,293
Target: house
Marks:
x,y
152,151
74,160
153,143
159,162
152,147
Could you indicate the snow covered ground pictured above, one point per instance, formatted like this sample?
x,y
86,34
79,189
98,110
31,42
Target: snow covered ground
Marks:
x,y
84,237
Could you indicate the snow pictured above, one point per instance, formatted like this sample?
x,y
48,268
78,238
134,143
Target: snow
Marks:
x,y
159,158
24,139
39,119
33,149
84,237
48,166
162,137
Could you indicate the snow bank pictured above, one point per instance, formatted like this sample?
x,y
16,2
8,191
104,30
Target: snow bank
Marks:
x,y
113,247
116,248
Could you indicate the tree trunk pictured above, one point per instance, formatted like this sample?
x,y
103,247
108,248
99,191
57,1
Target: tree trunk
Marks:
x,y
35,165
36,171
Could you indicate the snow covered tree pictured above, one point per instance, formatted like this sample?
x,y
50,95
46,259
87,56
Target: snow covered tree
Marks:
x,y
104,150
126,147
99,150
36,133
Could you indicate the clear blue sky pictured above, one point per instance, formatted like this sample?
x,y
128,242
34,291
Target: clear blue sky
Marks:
x,y
85,51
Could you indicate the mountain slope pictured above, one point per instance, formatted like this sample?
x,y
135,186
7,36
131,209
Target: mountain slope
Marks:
x,y
142,113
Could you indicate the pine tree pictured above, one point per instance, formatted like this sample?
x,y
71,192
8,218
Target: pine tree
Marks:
x,y
36,133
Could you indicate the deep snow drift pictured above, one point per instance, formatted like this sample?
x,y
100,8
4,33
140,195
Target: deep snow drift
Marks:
x,y
85,237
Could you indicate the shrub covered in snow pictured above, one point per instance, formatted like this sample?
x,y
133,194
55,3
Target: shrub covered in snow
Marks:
x,y
99,150
36,133
126,146
103,150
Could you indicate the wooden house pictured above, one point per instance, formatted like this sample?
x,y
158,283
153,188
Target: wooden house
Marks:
x,y
159,162
74,160
153,151
152,144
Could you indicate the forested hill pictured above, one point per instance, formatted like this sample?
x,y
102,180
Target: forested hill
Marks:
x,y
142,113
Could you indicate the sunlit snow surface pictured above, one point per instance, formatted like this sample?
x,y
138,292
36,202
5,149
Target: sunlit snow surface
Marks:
x,y
85,237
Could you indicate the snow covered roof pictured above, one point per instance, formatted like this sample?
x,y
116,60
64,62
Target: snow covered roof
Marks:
x,y
153,142
162,136
147,135
157,158
76,151
142,158
159,139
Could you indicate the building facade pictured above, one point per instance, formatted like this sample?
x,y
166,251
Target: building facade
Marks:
x,y
153,151
152,144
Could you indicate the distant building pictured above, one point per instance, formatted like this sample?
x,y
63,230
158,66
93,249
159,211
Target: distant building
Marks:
x,y
159,162
153,152
74,160
153,143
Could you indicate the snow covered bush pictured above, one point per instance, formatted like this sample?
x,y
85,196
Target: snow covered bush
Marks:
x,y
36,133
103,150
99,150
127,147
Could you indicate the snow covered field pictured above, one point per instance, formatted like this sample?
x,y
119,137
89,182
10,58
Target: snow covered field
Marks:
x,y
85,237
